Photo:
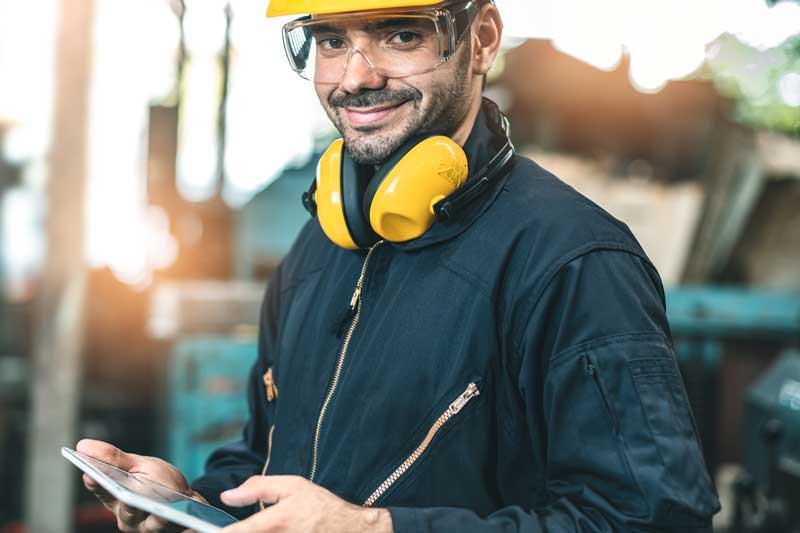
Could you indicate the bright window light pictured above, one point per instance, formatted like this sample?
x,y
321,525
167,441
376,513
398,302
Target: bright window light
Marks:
x,y
272,113
126,80
666,39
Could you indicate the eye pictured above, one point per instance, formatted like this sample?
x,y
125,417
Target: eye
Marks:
x,y
332,43
405,38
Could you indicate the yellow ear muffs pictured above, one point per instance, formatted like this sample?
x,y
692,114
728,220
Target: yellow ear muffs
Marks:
x,y
339,198
401,196
328,197
424,180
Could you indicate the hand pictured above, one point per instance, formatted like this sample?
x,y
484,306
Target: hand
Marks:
x,y
301,506
130,518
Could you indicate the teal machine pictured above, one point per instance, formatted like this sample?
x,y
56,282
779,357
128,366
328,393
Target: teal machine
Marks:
x,y
703,320
207,397
767,494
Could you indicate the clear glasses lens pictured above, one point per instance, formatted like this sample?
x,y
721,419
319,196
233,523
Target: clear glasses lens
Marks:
x,y
397,46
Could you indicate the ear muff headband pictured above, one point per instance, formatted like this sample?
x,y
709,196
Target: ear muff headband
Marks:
x,y
400,198
451,206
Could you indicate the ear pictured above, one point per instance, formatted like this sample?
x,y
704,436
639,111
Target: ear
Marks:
x,y
486,34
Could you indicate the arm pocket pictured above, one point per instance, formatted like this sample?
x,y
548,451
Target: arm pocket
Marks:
x,y
621,427
662,397
588,456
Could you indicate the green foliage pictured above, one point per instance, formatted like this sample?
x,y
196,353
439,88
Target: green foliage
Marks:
x,y
753,78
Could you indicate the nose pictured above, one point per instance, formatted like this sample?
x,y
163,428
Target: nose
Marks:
x,y
359,74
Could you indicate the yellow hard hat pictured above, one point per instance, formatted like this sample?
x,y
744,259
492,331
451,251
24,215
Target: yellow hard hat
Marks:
x,y
279,8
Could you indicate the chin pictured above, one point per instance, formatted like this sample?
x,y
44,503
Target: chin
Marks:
x,y
376,139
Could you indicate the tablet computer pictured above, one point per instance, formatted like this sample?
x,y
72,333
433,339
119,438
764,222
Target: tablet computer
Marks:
x,y
150,496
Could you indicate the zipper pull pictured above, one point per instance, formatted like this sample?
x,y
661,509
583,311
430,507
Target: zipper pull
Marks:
x,y
269,385
589,367
467,395
355,298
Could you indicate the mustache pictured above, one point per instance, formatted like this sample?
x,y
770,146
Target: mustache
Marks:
x,y
375,97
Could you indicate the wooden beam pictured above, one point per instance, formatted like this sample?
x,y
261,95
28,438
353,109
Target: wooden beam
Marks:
x,y
733,186
58,346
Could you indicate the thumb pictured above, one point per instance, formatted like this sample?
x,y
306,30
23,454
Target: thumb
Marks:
x,y
107,453
268,489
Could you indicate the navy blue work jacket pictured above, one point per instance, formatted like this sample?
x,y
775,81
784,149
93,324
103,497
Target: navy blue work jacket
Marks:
x,y
511,370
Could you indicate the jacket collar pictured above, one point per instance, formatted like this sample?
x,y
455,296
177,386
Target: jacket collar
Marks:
x,y
482,144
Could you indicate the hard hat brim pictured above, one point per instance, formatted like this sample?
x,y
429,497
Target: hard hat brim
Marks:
x,y
280,8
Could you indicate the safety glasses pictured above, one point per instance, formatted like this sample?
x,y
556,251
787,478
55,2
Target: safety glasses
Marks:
x,y
393,43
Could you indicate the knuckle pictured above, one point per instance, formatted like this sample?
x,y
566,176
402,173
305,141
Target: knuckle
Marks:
x,y
116,456
124,526
129,515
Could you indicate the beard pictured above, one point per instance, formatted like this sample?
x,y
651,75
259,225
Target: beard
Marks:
x,y
447,106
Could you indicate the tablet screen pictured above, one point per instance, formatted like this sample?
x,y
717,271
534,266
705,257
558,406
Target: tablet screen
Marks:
x,y
157,493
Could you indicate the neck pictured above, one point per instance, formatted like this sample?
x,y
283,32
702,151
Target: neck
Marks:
x,y
465,128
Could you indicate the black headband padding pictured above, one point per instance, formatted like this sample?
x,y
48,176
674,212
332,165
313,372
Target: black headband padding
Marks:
x,y
450,207
354,179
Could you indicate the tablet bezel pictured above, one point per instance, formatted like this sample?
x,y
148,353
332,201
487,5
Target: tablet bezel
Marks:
x,y
144,503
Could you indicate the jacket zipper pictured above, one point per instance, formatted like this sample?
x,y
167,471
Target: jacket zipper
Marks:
x,y
355,305
266,463
592,370
454,408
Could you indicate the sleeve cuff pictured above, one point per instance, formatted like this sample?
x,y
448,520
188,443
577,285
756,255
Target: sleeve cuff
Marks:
x,y
406,520
211,494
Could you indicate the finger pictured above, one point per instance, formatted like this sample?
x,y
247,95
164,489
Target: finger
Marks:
x,y
107,453
269,520
130,516
162,525
268,489
102,494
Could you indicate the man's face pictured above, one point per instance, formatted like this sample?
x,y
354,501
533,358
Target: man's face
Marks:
x,y
376,115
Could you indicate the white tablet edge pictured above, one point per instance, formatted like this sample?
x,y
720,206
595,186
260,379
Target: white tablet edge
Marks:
x,y
140,502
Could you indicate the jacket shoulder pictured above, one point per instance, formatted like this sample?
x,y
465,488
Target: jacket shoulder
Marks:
x,y
309,253
545,207
536,225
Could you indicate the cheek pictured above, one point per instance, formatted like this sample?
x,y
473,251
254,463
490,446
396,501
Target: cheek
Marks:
x,y
323,93
433,85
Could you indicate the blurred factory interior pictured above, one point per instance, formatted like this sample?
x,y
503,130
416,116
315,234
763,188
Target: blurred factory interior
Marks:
x,y
151,164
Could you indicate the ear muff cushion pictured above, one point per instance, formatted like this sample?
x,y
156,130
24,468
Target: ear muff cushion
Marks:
x,y
387,167
354,180
401,201
328,197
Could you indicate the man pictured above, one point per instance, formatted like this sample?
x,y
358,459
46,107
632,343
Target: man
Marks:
x,y
508,369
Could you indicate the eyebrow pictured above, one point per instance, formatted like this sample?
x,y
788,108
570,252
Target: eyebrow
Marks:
x,y
325,28
392,23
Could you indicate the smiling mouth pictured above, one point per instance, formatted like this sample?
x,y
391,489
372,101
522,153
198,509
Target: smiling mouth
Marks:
x,y
373,115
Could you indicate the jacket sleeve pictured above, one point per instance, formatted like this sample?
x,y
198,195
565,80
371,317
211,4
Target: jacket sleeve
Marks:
x,y
605,402
231,465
